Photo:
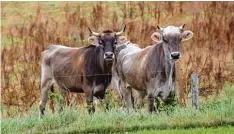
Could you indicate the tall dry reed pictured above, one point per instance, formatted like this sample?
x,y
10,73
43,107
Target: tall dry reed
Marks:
x,y
209,53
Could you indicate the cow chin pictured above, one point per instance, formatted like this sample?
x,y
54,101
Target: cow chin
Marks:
x,y
109,60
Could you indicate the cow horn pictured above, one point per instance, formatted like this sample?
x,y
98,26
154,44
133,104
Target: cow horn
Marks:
x,y
122,31
159,28
93,33
182,27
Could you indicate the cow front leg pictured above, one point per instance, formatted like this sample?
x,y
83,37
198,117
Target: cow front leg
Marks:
x,y
139,99
89,99
105,104
91,108
100,93
151,107
127,95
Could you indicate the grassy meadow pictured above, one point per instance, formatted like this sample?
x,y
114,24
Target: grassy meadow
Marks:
x,y
27,28
214,115
227,130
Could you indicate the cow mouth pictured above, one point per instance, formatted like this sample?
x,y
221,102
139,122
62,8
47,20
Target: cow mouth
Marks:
x,y
108,61
175,57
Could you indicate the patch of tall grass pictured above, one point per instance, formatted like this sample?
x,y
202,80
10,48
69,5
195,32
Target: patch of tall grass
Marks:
x,y
218,130
211,113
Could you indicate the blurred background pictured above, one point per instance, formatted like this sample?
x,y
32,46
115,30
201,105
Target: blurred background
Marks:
x,y
27,29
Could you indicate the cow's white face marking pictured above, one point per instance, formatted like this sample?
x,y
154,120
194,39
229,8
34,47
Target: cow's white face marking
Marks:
x,y
171,30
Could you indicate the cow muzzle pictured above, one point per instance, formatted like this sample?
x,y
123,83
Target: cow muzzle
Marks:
x,y
175,55
109,56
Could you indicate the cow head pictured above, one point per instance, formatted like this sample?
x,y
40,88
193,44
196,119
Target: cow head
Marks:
x,y
108,41
171,37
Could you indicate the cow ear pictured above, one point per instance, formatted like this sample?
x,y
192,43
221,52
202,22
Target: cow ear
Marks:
x,y
122,40
186,35
156,37
93,40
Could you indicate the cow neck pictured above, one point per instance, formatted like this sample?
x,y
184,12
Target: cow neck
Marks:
x,y
169,69
99,60
156,59
107,68
159,61
104,67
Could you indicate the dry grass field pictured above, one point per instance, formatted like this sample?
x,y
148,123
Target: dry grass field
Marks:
x,y
29,27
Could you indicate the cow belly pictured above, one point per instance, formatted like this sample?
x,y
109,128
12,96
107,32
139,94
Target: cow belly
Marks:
x,y
76,90
99,91
134,79
70,84
133,70
137,86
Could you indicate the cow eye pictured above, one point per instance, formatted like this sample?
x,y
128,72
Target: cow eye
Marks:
x,y
100,42
180,39
165,39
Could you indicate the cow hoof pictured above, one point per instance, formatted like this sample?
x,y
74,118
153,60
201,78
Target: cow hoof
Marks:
x,y
91,110
41,114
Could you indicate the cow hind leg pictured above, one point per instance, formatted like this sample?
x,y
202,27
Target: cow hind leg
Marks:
x,y
64,97
52,103
46,85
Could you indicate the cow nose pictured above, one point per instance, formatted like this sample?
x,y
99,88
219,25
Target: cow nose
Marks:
x,y
109,54
175,55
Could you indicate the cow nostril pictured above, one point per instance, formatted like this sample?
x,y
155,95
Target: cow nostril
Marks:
x,y
175,55
108,54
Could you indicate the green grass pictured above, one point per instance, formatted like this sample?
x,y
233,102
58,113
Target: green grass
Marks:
x,y
213,113
218,130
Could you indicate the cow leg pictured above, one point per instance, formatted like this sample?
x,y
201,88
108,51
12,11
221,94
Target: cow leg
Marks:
x,y
52,103
151,107
127,95
99,93
105,104
140,95
46,85
89,99
64,97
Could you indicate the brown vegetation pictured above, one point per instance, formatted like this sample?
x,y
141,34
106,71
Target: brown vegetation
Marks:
x,y
210,53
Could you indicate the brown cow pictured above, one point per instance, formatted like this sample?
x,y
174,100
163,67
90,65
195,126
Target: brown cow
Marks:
x,y
81,70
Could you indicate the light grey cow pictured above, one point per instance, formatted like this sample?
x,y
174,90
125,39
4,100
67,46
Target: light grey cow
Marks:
x,y
125,50
152,69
